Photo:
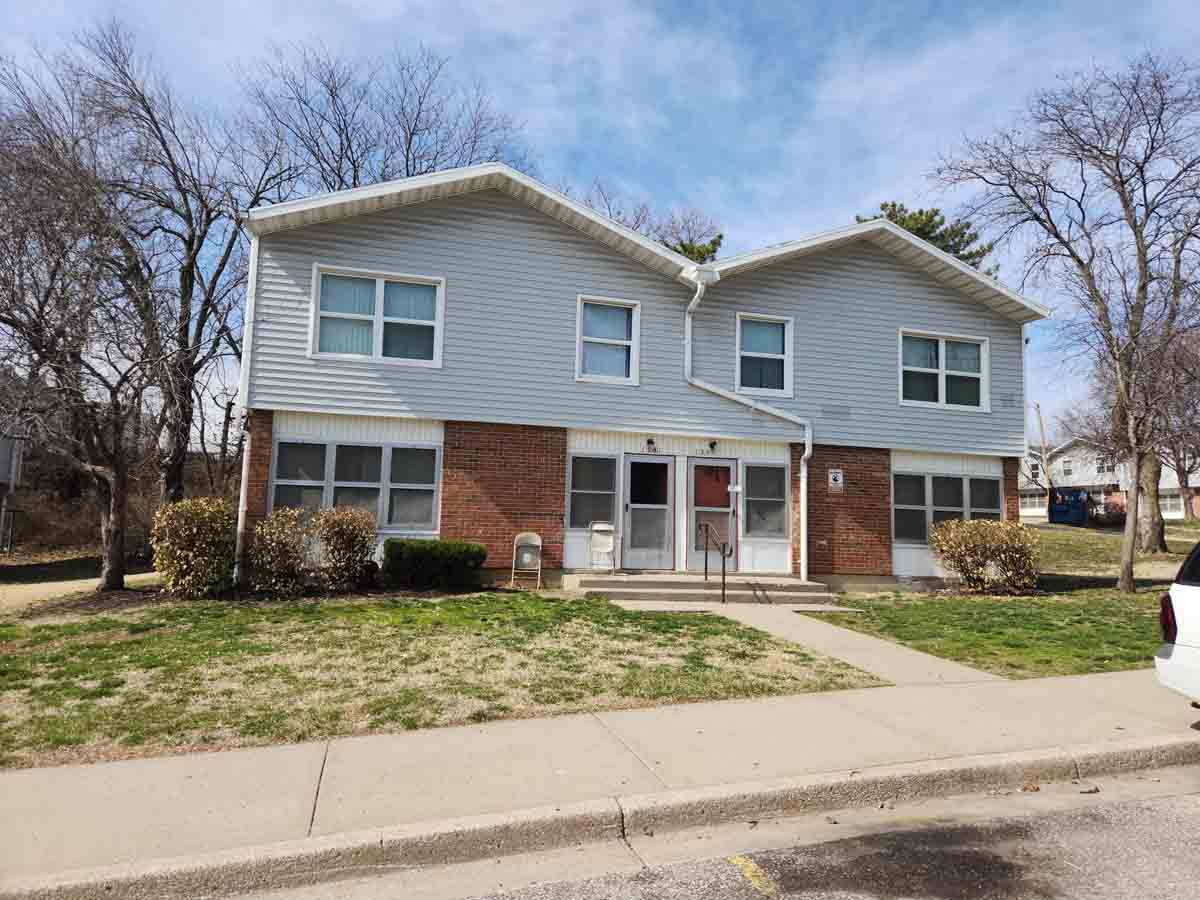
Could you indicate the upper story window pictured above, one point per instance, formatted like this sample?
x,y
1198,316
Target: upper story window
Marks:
x,y
1105,464
393,318
1035,471
943,370
764,355
607,339
1068,466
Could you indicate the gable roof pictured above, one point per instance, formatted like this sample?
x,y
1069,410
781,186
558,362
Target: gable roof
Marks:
x,y
448,183
910,249
498,176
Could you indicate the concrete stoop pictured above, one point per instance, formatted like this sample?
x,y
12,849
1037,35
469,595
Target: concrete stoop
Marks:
x,y
739,588
338,857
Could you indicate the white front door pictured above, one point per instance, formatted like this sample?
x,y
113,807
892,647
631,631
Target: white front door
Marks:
x,y
712,513
648,536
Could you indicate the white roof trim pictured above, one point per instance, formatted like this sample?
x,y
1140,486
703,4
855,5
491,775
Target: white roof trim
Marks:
x,y
498,176
940,264
486,176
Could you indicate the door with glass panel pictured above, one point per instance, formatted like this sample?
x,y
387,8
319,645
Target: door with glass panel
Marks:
x,y
712,513
648,537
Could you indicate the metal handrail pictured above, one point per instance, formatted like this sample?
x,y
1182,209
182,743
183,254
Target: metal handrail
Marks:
x,y
722,547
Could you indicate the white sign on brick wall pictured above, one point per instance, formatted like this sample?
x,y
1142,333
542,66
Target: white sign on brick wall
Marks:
x,y
837,481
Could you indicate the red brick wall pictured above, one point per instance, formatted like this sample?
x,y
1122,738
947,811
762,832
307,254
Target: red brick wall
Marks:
x,y
259,426
1012,498
849,533
498,480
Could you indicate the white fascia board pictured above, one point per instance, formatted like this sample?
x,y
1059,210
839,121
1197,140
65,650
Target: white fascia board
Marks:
x,y
779,252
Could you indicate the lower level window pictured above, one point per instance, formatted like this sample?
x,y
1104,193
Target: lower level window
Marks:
x,y
1171,503
1033,501
593,491
398,485
766,501
921,501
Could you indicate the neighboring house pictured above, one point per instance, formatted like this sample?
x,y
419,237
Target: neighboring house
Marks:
x,y
471,354
1078,465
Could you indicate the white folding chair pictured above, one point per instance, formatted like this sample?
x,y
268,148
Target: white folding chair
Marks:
x,y
602,545
527,558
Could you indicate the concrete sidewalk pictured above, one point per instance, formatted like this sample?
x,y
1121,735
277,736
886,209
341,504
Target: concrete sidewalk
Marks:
x,y
890,661
56,819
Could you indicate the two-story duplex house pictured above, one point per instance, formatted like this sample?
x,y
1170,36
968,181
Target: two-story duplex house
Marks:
x,y
472,354
1078,465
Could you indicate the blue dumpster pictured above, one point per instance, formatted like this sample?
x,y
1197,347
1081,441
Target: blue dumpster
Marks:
x,y
1069,507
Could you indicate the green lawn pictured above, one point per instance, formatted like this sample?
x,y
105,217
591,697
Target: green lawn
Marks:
x,y
1069,633
1065,548
157,676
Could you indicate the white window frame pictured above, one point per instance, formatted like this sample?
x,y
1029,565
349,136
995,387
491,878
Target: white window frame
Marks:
x,y
385,484
787,356
1105,465
1035,471
618,508
786,538
1033,501
378,319
1171,502
1068,467
929,507
634,343
323,483
984,374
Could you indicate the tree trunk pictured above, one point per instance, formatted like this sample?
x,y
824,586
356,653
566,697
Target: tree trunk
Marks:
x,y
114,495
1185,493
1125,582
1152,534
178,439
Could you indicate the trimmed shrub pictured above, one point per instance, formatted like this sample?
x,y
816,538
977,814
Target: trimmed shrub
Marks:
x,y
986,554
279,554
446,565
194,542
347,536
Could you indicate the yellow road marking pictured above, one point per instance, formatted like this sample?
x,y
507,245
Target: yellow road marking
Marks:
x,y
759,880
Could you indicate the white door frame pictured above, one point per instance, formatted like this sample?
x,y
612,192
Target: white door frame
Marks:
x,y
695,558
646,560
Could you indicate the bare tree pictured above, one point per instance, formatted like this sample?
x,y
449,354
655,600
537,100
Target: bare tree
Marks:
x,y
352,121
1179,449
74,307
686,230
1100,183
187,183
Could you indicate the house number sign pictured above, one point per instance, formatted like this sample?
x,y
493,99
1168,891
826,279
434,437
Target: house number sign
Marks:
x,y
837,481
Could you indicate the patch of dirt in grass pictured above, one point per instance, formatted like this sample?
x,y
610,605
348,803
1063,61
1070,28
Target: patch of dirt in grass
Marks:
x,y
134,680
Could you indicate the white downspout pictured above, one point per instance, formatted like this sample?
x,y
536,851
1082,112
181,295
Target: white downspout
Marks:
x,y
702,278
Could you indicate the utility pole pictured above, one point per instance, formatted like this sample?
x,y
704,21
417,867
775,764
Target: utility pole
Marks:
x,y
1045,457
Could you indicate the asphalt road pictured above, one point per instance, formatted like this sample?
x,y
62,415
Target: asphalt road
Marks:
x,y
1140,850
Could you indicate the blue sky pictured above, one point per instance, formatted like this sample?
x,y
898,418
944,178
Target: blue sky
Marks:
x,y
780,119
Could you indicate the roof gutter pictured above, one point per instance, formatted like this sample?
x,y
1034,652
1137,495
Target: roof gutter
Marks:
x,y
702,277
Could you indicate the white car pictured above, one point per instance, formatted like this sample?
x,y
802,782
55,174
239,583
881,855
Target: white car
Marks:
x,y
1178,659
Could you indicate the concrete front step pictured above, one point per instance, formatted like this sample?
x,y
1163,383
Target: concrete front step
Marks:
x,y
772,584
709,595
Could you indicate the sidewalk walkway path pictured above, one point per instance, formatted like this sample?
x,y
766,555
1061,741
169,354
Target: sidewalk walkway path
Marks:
x,y
56,819
891,662
15,598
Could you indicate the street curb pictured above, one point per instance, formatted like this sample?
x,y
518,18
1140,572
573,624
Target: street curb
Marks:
x,y
322,859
